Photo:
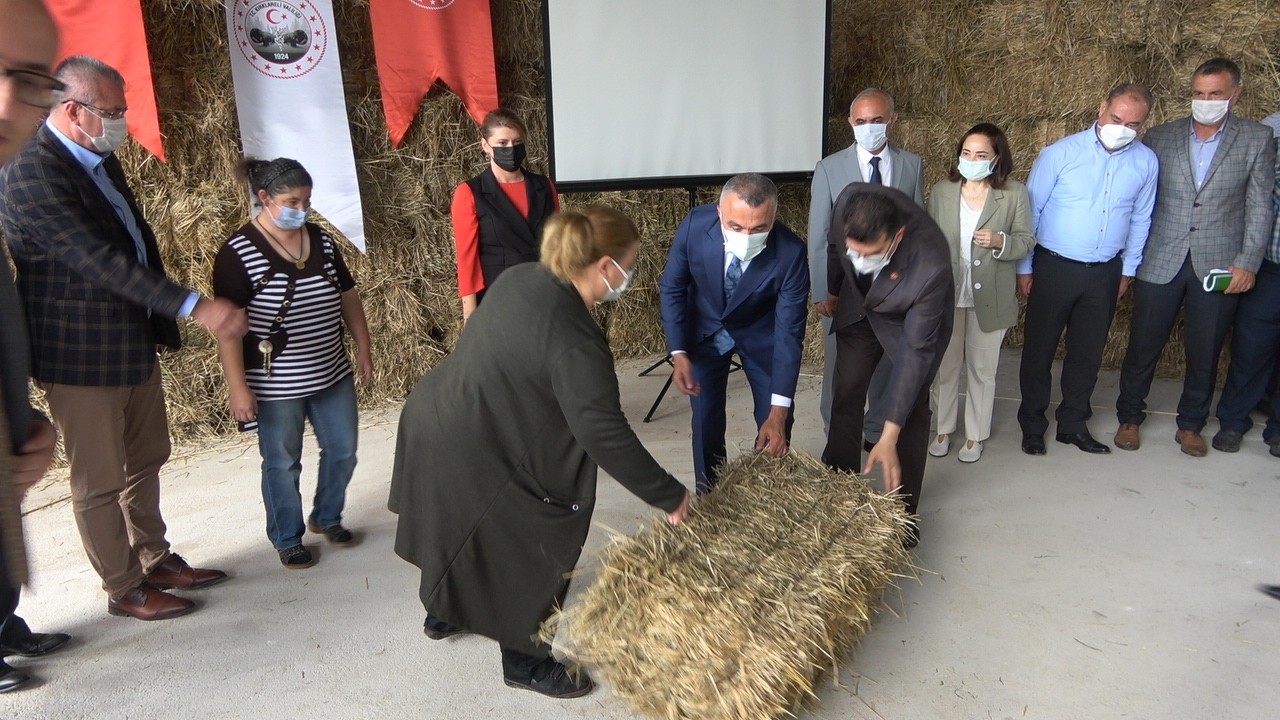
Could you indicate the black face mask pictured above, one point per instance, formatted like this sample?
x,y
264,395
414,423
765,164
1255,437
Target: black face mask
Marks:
x,y
509,157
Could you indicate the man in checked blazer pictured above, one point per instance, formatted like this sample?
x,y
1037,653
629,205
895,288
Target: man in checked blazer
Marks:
x,y
97,305
1212,211
870,159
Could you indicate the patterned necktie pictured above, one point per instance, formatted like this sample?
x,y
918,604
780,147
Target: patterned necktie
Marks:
x,y
876,177
722,341
731,278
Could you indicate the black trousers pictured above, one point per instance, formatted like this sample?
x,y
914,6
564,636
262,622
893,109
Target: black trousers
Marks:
x,y
1207,317
13,629
858,352
1079,298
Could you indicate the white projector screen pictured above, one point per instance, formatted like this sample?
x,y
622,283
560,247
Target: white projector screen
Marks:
x,y
677,93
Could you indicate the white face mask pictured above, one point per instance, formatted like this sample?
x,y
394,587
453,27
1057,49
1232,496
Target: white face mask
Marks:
x,y
1114,137
743,246
1209,112
871,136
114,131
615,293
976,169
867,264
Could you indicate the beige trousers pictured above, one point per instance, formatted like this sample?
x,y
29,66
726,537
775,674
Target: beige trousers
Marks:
x,y
978,353
117,439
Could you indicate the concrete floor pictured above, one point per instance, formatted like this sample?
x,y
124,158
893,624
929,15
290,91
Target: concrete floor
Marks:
x,y
1068,586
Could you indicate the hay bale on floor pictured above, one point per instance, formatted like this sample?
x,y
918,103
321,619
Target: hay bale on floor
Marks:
x,y
739,611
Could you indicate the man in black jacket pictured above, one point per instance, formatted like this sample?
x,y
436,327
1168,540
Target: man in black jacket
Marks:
x,y
893,264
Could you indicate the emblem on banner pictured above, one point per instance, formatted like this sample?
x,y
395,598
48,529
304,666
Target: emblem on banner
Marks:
x,y
433,4
280,38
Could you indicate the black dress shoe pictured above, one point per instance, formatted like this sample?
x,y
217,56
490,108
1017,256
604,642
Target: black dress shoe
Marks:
x,y
1033,444
1272,590
1227,441
553,679
11,678
35,645
438,629
1085,442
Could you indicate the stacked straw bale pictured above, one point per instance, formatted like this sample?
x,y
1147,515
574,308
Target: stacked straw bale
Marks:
x,y
1036,67
738,612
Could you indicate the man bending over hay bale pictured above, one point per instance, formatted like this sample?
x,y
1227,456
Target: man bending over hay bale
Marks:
x,y
736,281
901,306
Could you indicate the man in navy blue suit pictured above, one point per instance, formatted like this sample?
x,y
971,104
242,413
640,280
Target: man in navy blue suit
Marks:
x,y
737,281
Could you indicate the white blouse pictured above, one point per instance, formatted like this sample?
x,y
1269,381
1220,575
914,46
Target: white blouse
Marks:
x,y
968,223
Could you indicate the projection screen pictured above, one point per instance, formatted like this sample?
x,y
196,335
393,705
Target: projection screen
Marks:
x,y
678,93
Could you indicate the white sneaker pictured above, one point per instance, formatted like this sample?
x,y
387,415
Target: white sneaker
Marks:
x,y
970,453
939,448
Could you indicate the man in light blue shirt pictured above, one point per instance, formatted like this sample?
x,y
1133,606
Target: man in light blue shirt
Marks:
x,y
1091,199
1273,121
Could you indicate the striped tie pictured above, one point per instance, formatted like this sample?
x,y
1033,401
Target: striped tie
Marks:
x,y
731,278
722,341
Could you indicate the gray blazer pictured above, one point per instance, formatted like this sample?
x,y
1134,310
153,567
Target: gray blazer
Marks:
x,y
1228,221
831,175
994,279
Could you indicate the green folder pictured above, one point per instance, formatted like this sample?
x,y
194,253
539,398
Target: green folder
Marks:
x,y
1217,280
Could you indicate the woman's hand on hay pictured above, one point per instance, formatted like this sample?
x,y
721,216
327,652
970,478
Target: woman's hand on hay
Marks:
x,y
682,375
773,433
677,516
885,454
242,403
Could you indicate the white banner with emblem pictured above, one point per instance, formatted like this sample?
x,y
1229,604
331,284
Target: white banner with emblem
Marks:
x,y
288,84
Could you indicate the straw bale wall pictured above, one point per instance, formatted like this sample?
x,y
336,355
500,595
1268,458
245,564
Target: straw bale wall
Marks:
x,y
1037,68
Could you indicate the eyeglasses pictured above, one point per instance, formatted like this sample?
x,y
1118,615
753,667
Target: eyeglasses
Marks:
x,y
34,88
104,114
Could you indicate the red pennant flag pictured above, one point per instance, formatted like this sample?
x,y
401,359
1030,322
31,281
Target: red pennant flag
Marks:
x,y
420,41
112,31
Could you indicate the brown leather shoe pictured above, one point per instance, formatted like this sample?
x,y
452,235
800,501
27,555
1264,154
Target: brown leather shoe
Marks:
x,y
1191,442
147,603
1127,437
174,572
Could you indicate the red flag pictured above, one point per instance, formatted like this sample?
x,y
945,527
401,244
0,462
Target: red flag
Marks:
x,y
112,31
420,41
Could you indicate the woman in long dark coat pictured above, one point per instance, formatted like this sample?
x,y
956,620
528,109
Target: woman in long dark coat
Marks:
x,y
495,469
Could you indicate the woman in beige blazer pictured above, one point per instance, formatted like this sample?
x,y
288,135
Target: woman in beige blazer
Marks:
x,y
987,219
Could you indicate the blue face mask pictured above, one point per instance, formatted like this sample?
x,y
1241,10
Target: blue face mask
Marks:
x,y
615,293
290,218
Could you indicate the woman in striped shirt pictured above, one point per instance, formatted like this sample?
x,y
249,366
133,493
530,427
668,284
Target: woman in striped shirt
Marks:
x,y
292,366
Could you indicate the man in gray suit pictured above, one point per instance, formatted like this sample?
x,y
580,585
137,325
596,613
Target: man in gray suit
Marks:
x,y
870,159
1213,211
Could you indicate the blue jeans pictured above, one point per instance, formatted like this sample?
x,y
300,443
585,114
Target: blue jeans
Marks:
x,y
1254,348
333,416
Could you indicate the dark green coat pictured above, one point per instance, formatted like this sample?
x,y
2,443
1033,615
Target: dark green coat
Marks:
x,y
495,469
